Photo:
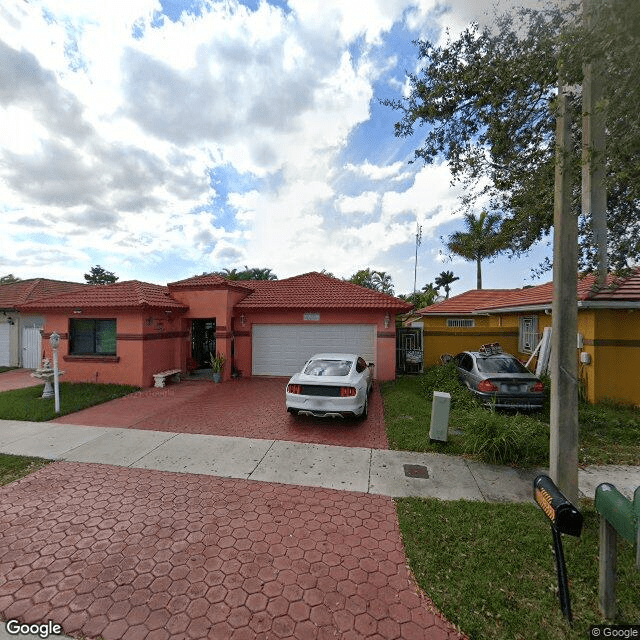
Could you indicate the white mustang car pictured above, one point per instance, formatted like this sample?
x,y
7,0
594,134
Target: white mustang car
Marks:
x,y
331,385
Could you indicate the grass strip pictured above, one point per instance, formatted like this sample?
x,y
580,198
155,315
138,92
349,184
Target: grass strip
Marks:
x,y
28,404
15,467
609,433
490,569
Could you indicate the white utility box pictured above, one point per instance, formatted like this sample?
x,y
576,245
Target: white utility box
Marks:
x,y
440,416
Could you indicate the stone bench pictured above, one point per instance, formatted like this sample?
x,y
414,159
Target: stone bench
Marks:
x,y
161,377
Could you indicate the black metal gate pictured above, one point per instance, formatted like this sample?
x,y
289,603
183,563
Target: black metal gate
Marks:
x,y
203,340
409,350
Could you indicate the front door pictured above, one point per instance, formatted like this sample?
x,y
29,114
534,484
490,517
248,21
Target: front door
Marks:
x,y
203,340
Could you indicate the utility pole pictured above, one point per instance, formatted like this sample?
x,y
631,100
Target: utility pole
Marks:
x,y
418,243
594,194
563,461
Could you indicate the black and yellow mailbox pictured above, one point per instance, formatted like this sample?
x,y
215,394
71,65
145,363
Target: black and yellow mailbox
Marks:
x,y
563,514
565,518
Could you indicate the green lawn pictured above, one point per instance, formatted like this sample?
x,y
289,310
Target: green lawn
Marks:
x,y
3,369
15,467
27,403
490,569
609,434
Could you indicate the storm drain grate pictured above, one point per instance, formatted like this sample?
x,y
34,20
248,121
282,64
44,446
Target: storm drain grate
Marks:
x,y
416,471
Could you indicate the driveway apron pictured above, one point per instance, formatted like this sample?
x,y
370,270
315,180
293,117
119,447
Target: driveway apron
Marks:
x,y
117,553
247,407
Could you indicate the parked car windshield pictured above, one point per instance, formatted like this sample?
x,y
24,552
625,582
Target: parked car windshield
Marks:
x,y
501,364
328,368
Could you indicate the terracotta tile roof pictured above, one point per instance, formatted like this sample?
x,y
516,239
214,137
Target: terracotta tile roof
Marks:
x,y
131,294
466,302
21,292
317,291
211,281
617,289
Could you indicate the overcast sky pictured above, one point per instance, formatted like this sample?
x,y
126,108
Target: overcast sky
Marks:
x,y
167,138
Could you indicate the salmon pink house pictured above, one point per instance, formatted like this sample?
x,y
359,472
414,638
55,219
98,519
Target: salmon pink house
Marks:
x,y
128,331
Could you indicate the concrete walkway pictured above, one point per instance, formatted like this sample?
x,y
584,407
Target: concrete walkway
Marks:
x,y
374,471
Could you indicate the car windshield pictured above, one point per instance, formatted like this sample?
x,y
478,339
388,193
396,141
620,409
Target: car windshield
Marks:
x,y
328,368
501,364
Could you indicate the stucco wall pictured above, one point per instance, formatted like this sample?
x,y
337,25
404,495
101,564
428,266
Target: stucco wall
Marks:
x,y
146,343
611,338
440,339
614,345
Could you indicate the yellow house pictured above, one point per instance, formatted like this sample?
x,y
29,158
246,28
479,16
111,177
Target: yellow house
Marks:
x,y
607,344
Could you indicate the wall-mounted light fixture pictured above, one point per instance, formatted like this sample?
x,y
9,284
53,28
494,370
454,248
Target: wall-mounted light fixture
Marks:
x,y
387,320
77,311
243,320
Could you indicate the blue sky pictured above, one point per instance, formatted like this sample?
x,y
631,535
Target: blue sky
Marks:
x,y
166,138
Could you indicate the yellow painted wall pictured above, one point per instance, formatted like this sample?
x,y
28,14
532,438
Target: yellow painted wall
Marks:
x,y
440,339
611,338
615,349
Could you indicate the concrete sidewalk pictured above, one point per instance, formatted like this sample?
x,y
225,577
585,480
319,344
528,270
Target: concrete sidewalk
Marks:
x,y
374,471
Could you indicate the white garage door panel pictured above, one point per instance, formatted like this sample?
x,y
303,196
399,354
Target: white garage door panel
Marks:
x,y
5,353
281,350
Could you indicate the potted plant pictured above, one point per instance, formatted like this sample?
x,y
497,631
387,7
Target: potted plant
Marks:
x,y
217,365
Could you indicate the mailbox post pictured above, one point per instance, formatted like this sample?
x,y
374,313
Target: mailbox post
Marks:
x,y
565,518
618,516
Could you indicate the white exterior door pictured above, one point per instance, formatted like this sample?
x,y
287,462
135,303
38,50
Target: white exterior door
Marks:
x,y
5,345
281,350
31,347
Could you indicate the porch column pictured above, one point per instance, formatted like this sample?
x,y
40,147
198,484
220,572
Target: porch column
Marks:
x,y
223,346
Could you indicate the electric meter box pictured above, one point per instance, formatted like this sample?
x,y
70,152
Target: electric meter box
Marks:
x,y
440,416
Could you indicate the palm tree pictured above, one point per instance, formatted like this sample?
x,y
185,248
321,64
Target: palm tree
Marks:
x,y
445,280
481,240
371,279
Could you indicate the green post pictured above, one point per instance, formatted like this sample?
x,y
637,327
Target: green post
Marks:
x,y
618,516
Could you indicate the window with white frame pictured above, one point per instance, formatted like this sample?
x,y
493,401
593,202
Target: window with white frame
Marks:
x,y
456,323
529,337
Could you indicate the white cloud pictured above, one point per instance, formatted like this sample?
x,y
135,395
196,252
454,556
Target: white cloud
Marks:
x,y
364,203
109,141
430,199
375,172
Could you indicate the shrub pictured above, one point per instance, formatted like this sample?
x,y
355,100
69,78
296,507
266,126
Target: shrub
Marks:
x,y
445,378
507,439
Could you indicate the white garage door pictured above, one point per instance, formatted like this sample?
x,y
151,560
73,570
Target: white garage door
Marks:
x,y
281,350
5,357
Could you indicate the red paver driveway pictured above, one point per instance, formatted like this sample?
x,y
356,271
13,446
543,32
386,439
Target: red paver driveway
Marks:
x,y
250,408
136,554
18,379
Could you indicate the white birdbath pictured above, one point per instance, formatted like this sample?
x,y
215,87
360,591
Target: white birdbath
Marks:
x,y
46,373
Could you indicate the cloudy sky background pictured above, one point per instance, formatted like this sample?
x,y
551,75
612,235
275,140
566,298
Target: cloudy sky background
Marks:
x,y
165,138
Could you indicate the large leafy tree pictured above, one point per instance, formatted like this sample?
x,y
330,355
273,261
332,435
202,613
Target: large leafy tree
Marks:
x,y
482,239
98,275
486,100
372,279
423,298
253,273
9,278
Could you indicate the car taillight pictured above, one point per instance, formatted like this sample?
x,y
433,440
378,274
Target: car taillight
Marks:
x,y
486,386
347,392
294,388
538,387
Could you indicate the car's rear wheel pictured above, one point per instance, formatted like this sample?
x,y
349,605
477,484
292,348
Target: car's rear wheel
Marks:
x,y
365,409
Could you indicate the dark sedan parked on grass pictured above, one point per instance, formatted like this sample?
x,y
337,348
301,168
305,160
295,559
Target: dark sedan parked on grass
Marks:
x,y
499,379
